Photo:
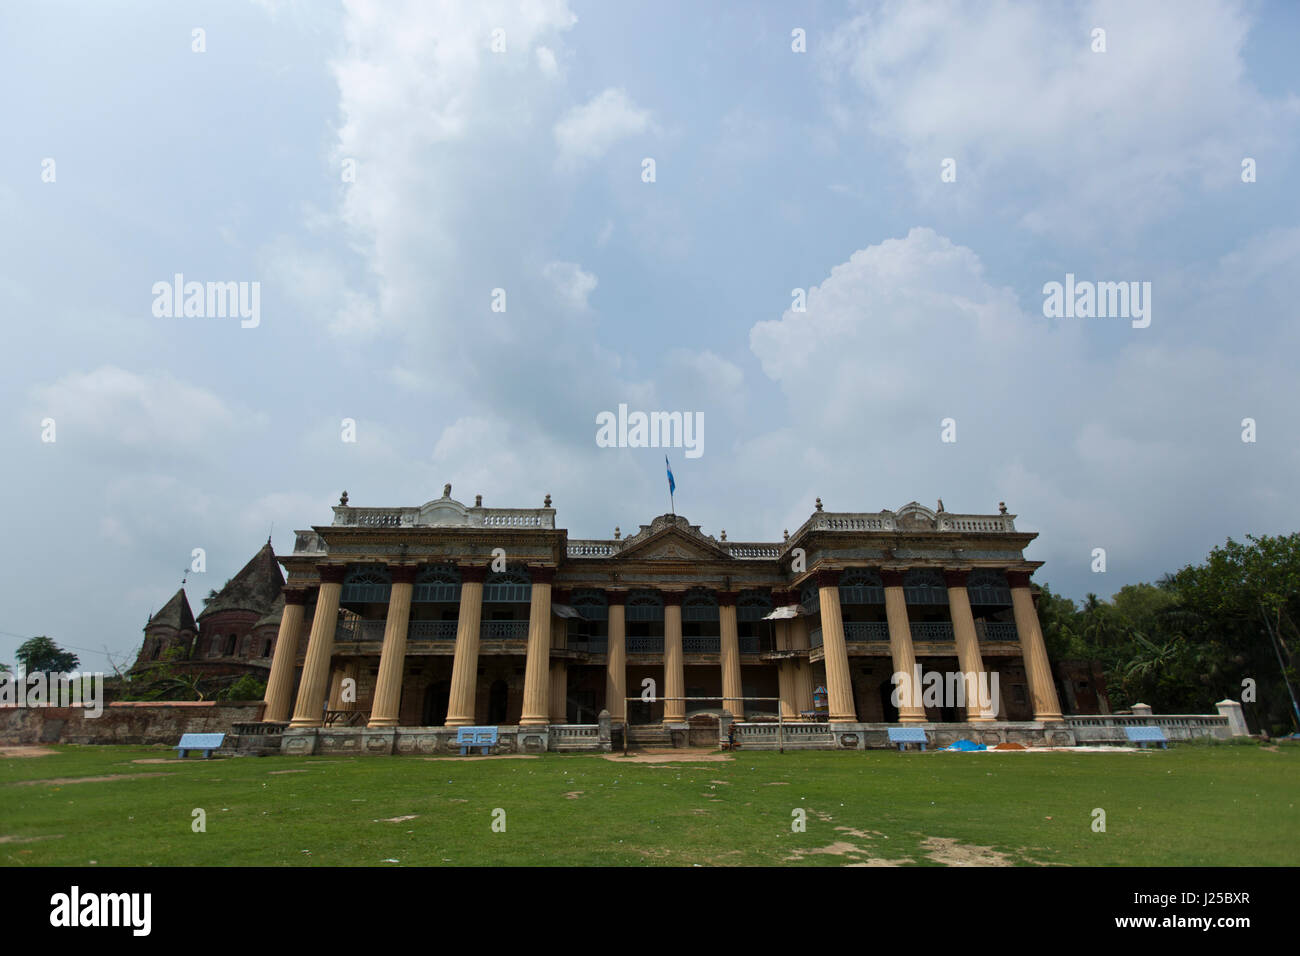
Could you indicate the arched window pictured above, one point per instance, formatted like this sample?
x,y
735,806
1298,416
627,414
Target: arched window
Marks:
x,y
860,586
266,648
366,585
925,586
988,586
645,606
437,583
592,604
751,608
700,604
512,586
753,605
232,643
157,650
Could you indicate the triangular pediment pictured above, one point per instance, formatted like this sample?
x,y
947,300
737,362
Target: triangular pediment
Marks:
x,y
671,538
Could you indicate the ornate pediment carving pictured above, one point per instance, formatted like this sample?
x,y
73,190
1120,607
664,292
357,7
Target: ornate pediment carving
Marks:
x,y
671,538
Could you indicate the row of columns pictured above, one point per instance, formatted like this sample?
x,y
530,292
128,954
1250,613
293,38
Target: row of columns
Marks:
x,y
544,685
839,685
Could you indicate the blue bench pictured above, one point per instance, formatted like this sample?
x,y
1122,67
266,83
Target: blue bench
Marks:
x,y
907,735
483,737
1146,735
205,742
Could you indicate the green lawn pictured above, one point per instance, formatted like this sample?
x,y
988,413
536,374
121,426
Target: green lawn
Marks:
x,y
1191,805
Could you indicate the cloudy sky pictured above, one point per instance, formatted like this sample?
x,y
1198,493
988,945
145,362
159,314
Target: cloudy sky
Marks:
x,y
381,169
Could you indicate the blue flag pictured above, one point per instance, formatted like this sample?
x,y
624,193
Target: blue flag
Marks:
x,y
672,485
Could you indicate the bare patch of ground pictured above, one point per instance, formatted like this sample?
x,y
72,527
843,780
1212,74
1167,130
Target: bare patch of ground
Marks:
x,y
26,752
858,856
778,783
574,794
725,783
60,781
273,772
22,839
161,760
671,756
488,757
951,852
409,816
860,834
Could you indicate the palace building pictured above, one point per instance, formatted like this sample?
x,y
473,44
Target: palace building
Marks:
x,y
401,624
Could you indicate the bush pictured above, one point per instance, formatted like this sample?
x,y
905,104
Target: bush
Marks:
x,y
247,687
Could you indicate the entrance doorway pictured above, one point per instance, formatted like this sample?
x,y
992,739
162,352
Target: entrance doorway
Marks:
x,y
436,698
498,698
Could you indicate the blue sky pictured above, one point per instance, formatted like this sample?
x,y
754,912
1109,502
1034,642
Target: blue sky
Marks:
x,y
521,170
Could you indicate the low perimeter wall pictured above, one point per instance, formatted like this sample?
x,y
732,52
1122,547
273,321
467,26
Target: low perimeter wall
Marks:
x,y
123,722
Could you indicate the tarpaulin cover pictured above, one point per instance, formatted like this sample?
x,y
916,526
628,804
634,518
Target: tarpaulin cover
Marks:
x,y
783,613
965,745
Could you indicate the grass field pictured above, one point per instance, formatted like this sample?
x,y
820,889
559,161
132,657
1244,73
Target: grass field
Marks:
x,y
1195,804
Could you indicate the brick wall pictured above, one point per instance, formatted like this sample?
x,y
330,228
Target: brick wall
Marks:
x,y
123,722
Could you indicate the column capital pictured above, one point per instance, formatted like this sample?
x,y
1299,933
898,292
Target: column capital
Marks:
x,y
673,598
332,573
541,573
616,597
727,598
827,578
1018,579
891,577
296,596
403,573
956,577
472,573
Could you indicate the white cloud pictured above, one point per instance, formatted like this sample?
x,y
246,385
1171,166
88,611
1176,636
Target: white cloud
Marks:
x,y
1077,139
153,413
585,133
546,62
571,284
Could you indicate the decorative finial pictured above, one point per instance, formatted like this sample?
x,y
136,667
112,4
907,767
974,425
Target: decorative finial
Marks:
x,y
617,533
786,534
1002,507
343,499
819,504
478,501
446,490
724,534
547,502
940,504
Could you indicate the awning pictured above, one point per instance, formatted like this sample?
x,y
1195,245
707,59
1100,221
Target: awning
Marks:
x,y
563,610
783,613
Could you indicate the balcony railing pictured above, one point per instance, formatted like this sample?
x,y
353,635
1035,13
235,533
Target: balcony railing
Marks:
x,y
597,645
815,637
359,631
503,631
751,645
996,631
645,645
432,631
866,631
701,645
932,631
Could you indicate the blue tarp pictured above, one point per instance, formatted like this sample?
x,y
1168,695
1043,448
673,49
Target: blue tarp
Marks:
x,y
965,745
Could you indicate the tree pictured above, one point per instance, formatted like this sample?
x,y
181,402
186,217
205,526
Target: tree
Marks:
x,y
40,655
